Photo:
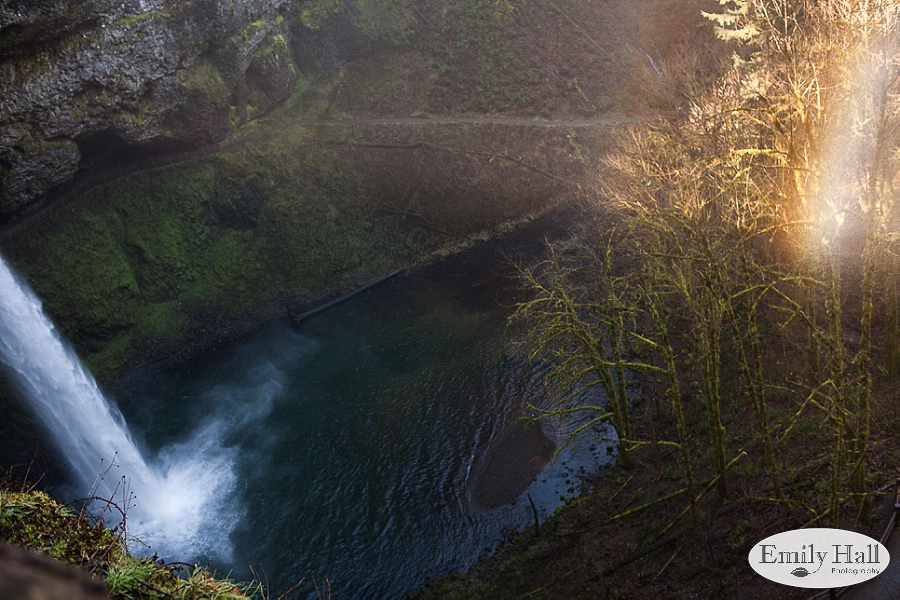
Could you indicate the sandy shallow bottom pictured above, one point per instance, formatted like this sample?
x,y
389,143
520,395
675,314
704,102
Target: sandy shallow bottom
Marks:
x,y
512,463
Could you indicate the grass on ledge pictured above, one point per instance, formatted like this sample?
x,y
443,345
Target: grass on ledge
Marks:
x,y
32,520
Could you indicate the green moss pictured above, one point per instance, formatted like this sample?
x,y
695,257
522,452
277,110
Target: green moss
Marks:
x,y
114,357
161,322
316,12
384,21
204,79
133,269
140,18
256,26
32,520
377,21
391,82
90,288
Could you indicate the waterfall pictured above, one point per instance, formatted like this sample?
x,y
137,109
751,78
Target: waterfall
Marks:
x,y
180,505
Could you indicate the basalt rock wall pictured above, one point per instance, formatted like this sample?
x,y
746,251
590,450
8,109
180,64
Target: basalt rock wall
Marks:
x,y
83,83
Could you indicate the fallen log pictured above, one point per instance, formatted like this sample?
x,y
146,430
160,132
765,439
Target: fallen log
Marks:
x,y
298,319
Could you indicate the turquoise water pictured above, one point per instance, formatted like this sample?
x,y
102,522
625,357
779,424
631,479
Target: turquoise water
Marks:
x,y
356,439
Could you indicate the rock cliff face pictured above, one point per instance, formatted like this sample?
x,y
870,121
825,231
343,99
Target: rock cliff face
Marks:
x,y
81,79
157,265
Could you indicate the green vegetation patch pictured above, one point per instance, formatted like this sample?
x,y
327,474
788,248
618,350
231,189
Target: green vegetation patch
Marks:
x,y
517,57
378,21
384,21
204,79
32,520
394,82
314,14
131,20
199,250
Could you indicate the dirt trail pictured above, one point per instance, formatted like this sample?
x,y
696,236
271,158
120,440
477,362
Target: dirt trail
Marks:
x,y
476,120
88,182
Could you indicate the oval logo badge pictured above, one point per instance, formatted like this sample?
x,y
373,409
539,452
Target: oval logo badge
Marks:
x,y
819,558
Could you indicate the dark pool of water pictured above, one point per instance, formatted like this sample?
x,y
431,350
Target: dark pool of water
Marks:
x,y
359,436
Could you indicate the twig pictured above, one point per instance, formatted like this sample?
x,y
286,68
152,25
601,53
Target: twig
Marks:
x,y
294,586
643,507
668,562
156,589
618,491
712,482
537,523
423,17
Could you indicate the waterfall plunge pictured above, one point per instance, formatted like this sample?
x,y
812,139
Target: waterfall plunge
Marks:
x,y
180,507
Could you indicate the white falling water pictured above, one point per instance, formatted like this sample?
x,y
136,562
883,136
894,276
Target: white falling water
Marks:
x,y
181,507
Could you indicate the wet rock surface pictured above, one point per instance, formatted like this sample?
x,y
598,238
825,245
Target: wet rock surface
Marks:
x,y
28,576
155,75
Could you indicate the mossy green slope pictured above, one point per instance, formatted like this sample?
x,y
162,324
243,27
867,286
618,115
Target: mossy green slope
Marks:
x,y
196,251
32,520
